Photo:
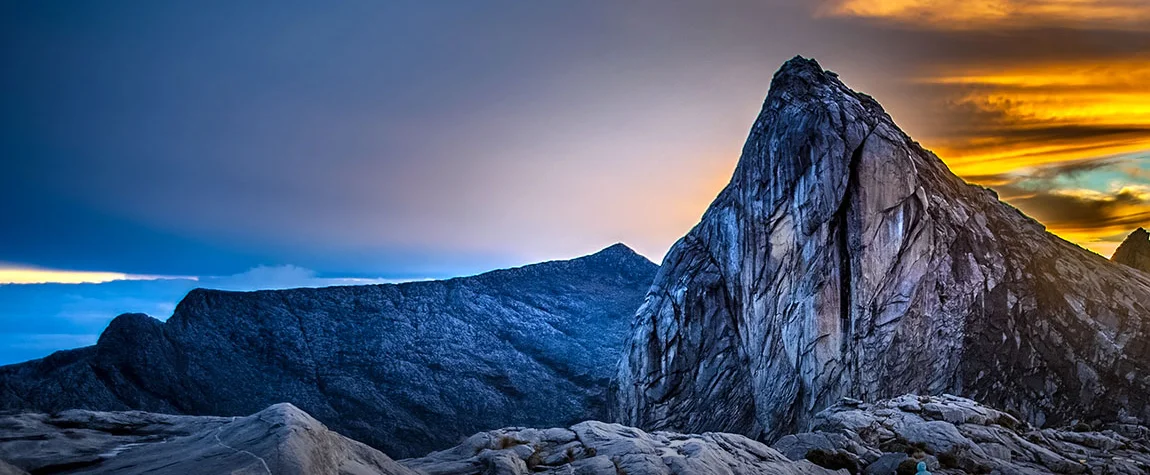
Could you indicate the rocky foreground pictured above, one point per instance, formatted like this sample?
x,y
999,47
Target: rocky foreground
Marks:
x,y
956,435
951,434
406,368
278,440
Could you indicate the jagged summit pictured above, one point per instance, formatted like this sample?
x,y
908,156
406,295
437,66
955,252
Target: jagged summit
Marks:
x,y
843,259
1134,251
804,79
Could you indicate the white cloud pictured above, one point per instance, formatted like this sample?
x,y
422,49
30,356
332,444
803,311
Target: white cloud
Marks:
x,y
284,277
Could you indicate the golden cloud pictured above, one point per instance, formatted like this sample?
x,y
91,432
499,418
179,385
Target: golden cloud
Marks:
x,y
1031,115
978,14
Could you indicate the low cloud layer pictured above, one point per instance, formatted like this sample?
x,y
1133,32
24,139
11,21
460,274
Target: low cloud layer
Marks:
x,y
39,319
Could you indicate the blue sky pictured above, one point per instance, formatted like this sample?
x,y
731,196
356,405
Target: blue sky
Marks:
x,y
309,143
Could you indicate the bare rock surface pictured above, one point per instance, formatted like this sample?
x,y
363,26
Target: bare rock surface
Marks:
x,y
1134,251
278,440
844,260
598,448
952,435
9,469
406,368
957,436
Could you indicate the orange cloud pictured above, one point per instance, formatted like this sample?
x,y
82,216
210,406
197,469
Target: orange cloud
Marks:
x,y
978,14
1095,220
1040,114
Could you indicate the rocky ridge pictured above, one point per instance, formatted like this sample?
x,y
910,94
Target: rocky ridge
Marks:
x,y
406,368
1134,251
844,260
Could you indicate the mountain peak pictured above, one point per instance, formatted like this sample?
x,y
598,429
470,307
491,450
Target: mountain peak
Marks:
x,y
843,259
619,253
617,249
804,80
1134,251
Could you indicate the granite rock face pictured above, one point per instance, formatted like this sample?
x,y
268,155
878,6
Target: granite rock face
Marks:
x,y
843,259
1134,251
597,448
406,368
280,439
957,435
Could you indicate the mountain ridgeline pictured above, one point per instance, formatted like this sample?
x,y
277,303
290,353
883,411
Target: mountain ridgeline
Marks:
x,y
843,259
407,368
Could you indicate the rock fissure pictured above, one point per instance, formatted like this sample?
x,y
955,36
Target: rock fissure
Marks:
x,y
221,443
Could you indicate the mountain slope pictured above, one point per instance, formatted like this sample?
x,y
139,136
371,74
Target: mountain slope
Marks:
x,y
407,368
1134,251
843,259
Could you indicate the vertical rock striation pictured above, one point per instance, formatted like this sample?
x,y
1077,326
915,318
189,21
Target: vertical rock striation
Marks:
x,y
843,259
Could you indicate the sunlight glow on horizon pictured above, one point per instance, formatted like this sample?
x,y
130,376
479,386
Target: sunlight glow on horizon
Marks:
x,y
14,274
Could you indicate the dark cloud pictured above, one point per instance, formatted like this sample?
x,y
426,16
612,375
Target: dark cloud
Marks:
x,y
1046,174
1095,202
1122,210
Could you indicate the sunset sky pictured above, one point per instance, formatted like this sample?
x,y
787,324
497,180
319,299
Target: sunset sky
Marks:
x,y
297,143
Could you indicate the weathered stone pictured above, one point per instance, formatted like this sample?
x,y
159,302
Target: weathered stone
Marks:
x,y
9,469
887,464
985,442
283,439
609,449
280,439
407,368
843,259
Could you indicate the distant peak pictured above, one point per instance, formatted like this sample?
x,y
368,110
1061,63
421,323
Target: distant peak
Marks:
x,y
619,252
617,248
1139,237
1134,251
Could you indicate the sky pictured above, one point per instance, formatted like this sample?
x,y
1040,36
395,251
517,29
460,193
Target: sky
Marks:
x,y
150,147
